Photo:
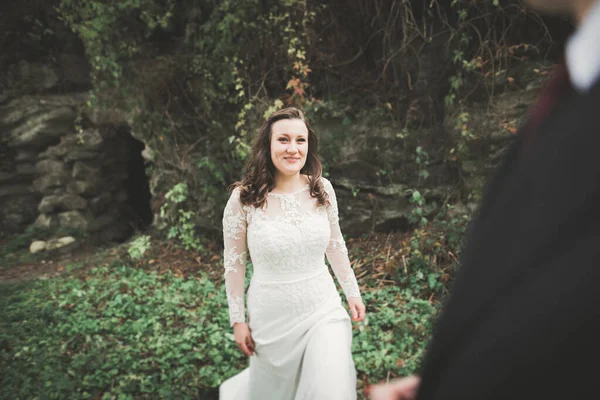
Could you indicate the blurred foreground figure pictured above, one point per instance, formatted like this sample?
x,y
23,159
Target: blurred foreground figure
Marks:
x,y
523,320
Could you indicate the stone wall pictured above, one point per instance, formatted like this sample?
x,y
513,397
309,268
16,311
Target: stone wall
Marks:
x,y
28,125
372,170
82,180
375,165
58,177
53,173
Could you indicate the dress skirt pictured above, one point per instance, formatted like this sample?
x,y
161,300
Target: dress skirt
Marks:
x,y
303,338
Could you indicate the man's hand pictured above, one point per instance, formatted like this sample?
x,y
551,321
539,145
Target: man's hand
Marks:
x,y
398,389
243,338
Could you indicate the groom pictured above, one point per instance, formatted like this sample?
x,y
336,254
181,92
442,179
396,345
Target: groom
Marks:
x,y
523,320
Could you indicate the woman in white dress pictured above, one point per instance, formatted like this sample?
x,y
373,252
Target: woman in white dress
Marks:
x,y
284,214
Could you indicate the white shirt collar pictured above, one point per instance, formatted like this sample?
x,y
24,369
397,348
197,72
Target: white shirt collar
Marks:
x,y
583,51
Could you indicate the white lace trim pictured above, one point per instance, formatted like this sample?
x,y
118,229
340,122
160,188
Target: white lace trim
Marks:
x,y
339,244
233,259
292,216
350,286
236,308
332,208
234,220
297,299
305,188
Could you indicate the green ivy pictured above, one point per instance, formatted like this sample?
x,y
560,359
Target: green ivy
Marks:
x,y
138,247
119,333
180,221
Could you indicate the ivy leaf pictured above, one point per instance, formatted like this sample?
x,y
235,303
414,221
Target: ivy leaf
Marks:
x,y
432,280
416,196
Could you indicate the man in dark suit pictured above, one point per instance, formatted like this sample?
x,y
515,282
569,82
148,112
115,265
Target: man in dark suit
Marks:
x,y
523,319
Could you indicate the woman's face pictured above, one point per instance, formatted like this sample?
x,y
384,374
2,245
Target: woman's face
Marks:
x,y
289,146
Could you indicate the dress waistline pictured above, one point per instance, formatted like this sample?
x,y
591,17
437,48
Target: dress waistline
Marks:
x,y
287,278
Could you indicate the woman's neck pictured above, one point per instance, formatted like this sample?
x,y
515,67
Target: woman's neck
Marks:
x,y
289,183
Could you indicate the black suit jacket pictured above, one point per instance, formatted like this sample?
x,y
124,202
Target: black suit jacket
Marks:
x,y
523,319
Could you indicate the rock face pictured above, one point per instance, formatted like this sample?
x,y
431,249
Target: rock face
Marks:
x,y
80,177
59,176
29,125
53,171
373,175
375,168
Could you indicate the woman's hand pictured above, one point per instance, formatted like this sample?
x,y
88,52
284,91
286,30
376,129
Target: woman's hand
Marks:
x,y
357,308
399,389
243,338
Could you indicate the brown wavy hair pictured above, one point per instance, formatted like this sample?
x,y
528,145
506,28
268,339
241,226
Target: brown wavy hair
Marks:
x,y
260,171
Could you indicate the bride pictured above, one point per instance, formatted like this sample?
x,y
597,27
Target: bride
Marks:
x,y
285,215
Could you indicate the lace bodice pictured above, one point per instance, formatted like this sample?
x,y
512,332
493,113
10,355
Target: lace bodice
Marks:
x,y
287,241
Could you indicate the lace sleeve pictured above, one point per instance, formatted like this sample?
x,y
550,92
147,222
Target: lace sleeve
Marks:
x,y
337,253
234,237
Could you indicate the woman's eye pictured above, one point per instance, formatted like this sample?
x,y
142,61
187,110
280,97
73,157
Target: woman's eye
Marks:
x,y
283,139
302,140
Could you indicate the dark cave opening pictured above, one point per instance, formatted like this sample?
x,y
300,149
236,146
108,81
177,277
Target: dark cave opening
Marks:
x,y
137,185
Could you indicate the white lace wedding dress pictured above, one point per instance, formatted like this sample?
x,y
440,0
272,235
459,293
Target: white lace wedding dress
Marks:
x,y
302,333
